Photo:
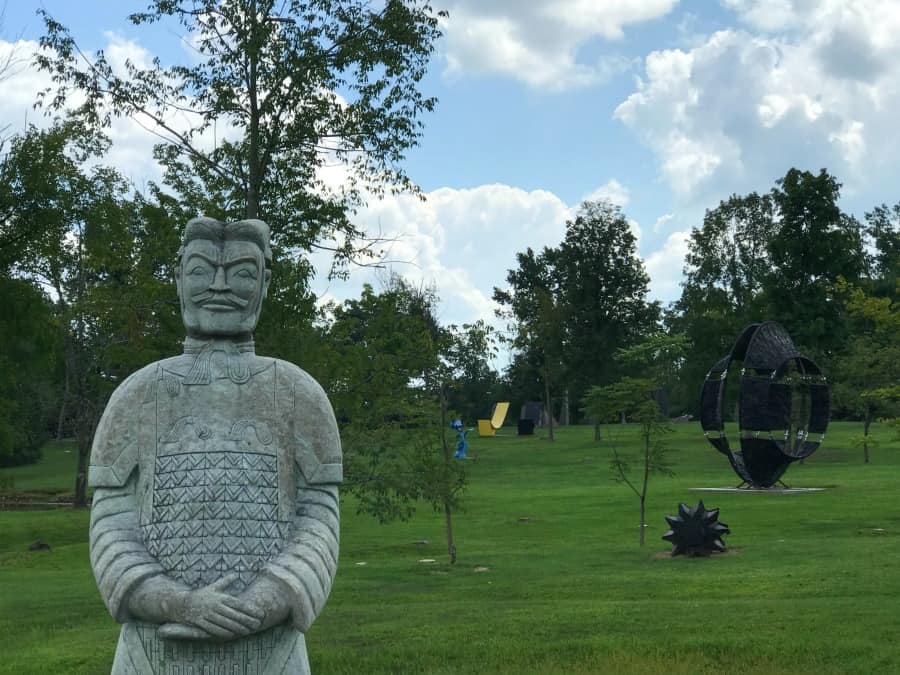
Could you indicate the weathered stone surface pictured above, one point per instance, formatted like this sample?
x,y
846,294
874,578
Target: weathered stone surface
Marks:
x,y
215,523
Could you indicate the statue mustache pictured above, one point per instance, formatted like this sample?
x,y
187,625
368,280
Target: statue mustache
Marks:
x,y
219,298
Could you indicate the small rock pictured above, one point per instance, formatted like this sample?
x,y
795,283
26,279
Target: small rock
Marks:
x,y
361,564
481,569
421,542
39,546
524,520
427,560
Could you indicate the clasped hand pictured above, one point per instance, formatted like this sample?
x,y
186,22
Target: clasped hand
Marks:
x,y
211,613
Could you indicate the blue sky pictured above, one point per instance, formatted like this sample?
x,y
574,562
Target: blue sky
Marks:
x,y
664,106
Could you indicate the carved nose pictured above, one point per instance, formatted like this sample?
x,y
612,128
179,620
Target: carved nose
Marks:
x,y
218,283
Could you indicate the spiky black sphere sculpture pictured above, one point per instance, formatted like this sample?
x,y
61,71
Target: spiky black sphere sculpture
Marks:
x,y
696,531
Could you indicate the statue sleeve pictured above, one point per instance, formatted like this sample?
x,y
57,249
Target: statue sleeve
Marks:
x,y
308,562
118,555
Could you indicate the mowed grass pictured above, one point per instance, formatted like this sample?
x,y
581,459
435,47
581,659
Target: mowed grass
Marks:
x,y
810,583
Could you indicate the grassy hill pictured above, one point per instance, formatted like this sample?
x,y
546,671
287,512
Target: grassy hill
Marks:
x,y
550,578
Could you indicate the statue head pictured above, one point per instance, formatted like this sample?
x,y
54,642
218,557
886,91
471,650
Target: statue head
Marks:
x,y
222,276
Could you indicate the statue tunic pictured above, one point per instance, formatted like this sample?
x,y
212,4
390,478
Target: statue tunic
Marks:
x,y
214,463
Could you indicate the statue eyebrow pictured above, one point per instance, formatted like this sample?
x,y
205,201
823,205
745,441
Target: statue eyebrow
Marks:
x,y
215,263
198,254
243,258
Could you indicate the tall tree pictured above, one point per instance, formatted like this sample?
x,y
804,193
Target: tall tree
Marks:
x,y
883,230
604,287
724,269
867,370
106,256
814,247
284,88
29,365
572,306
473,384
389,377
536,317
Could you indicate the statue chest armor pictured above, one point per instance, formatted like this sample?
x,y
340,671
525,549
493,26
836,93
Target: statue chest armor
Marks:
x,y
218,498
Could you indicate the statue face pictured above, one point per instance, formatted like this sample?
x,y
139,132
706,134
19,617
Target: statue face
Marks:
x,y
221,286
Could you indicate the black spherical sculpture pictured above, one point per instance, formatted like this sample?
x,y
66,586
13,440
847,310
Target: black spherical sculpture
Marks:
x,y
783,404
695,531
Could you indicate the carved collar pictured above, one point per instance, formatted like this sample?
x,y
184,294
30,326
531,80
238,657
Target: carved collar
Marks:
x,y
238,366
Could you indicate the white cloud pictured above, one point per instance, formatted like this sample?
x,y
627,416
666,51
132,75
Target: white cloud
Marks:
x,y
538,42
462,241
20,85
665,265
612,191
818,87
661,222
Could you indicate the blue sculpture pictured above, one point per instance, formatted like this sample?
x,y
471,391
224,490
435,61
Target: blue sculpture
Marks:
x,y
462,445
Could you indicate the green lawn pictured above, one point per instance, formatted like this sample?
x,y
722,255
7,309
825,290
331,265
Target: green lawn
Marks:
x,y
53,476
810,584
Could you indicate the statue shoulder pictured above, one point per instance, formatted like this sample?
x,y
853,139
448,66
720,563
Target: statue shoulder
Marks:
x,y
114,453
299,379
316,431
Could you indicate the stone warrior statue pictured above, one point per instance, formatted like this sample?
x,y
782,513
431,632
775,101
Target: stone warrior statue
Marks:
x,y
214,527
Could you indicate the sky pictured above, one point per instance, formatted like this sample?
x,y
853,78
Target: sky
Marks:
x,y
665,107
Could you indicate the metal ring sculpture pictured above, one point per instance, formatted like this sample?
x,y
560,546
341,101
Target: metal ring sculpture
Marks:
x,y
778,385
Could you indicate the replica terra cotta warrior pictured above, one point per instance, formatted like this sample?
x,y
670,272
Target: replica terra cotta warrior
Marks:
x,y
214,526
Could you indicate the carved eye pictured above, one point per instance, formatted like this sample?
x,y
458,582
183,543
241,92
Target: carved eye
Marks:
x,y
197,271
246,274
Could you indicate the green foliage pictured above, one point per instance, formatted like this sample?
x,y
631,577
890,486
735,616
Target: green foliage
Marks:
x,y
287,88
572,306
814,247
785,256
29,363
726,263
632,398
390,370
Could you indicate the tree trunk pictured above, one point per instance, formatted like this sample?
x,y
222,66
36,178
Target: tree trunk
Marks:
x,y
85,425
254,178
84,452
448,519
448,512
867,422
646,480
60,422
643,515
548,407
596,431
564,413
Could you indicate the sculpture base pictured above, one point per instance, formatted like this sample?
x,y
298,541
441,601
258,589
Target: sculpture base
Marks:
x,y
771,490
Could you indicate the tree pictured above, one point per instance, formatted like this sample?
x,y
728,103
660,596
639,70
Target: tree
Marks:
x,y
604,288
883,230
537,319
29,363
633,396
867,371
106,255
724,269
570,307
814,247
284,88
472,383
391,373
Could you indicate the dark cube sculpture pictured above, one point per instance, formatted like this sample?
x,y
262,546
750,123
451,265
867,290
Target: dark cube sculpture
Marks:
x,y
782,407
696,531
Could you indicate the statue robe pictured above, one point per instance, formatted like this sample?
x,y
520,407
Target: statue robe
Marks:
x,y
213,463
